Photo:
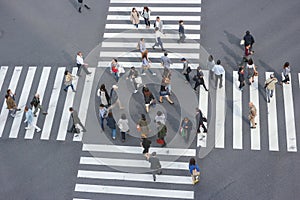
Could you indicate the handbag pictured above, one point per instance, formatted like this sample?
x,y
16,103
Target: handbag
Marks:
x,y
138,80
255,73
114,69
121,70
159,141
242,42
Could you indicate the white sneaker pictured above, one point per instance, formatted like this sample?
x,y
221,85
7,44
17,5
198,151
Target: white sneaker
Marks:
x,y
27,128
143,74
135,91
38,130
154,74
13,115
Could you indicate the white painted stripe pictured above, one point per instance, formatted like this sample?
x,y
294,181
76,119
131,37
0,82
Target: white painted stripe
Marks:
x,y
157,1
120,45
121,54
137,150
255,133
80,199
134,177
135,191
131,163
12,85
237,120
152,18
157,9
220,115
22,102
166,26
41,91
85,99
290,127
272,121
149,35
299,78
63,126
203,105
3,71
53,103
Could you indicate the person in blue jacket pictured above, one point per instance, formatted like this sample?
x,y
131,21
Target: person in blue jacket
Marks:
x,y
194,171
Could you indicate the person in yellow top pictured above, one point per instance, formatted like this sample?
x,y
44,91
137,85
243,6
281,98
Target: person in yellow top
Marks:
x,y
68,81
270,84
252,114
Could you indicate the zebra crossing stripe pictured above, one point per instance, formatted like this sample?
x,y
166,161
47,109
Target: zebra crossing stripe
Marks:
x,y
157,9
237,133
113,54
12,85
41,91
289,117
272,120
3,71
166,26
63,126
53,103
220,116
133,45
22,102
148,35
255,133
157,1
153,18
136,191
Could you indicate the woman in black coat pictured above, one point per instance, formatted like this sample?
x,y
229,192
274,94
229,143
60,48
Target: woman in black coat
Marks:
x,y
241,79
148,97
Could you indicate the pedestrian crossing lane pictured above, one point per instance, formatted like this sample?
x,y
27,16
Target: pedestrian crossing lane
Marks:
x,y
237,119
220,115
255,133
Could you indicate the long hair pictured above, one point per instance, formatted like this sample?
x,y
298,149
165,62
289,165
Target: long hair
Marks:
x,y
192,161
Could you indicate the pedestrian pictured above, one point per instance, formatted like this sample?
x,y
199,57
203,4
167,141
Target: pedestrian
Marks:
x,y
81,64
76,122
166,61
37,105
251,71
186,128
252,114
104,96
142,126
160,117
11,94
194,171
166,79
123,126
186,70
111,123
158,24
11,105
134,17
161,133
133,75
145,143
181,32
29,120
248,53
218,70
158,36
148,98
200,119
199,79
82,4
114,98
241,78
102,115
164,92
285,72
142,46
155,165
146,15
68,81
270,84
210,65
114,68
249,40
146,65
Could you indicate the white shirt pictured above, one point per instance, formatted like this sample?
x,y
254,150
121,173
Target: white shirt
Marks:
x,y
218,69
79,60
161,119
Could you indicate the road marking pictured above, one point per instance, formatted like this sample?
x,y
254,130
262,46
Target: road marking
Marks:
x,y
112,54
65,118
53,103
3,71
22,103
166,26
133,45
220,116
149,35
237,133
12,85
157,9
138,65
178,194
153,18
157,1
255,133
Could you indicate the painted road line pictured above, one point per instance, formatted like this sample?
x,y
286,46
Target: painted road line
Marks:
x,y
237,134
133,177
41,91
85,99
149,35
135,191
12,85
157,9
53,103
255,133
133,45
120,54
220,116
272,120
290,127
153,18
131,163
63,126
157,1
3,71
166,26
22,102
137,150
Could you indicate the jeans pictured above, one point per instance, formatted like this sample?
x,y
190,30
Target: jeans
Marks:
x,y
102,122
269,94
147,21
71,85
143,70
116,75
113,133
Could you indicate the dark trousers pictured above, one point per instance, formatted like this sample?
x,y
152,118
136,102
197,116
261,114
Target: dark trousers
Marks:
x,y
221,80
71,85
181,37
156,171
123,135
204,128
81,67
187,77
198,83
102,122
147,21
242,84
146,150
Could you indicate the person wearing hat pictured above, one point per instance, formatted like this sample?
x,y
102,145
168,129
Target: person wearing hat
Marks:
x,y
155,165
270,86
186,70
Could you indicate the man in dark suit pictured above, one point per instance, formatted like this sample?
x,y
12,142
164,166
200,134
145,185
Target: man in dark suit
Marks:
x,y
76,121
200,119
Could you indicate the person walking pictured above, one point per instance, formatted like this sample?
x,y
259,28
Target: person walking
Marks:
x,y
161,133
252,114
164,92
199,79
158,24
241,78
186,128
145,143
104,96
146,15
133,74
142,47
218,70
111,123
81,64
285,72
181,32
160,117
114,98
155,165
146,65
142,126
249,40
102,115
148,97
114,68
134,17
210,65
82,3
186,70
166,79
11,94
166,61
36,103
200,119
270,84
158,36
68,81
251,71
194,171
76,122
29,120
123,126
11,105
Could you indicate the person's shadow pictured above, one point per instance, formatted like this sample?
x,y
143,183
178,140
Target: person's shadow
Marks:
x,y
74,3
232,39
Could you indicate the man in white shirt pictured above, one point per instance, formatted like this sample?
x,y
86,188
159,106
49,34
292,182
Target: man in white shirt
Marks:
x,y
159,24
218,71
81,64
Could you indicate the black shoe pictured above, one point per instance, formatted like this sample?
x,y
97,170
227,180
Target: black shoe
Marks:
x,y
86,6
163,49
153,47
89,73
252,127
45,113
18,109
65,90
154,179
79,10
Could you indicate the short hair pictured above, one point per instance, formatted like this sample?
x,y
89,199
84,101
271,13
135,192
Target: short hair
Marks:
x,y
153,153
115,59
66,72
143,116
132,67
210,58
247,32
141,39
250,61
6,96
159,113
71,109
110,114
183,59
157,17
123,116
165,53
101,105
180,21
218,62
